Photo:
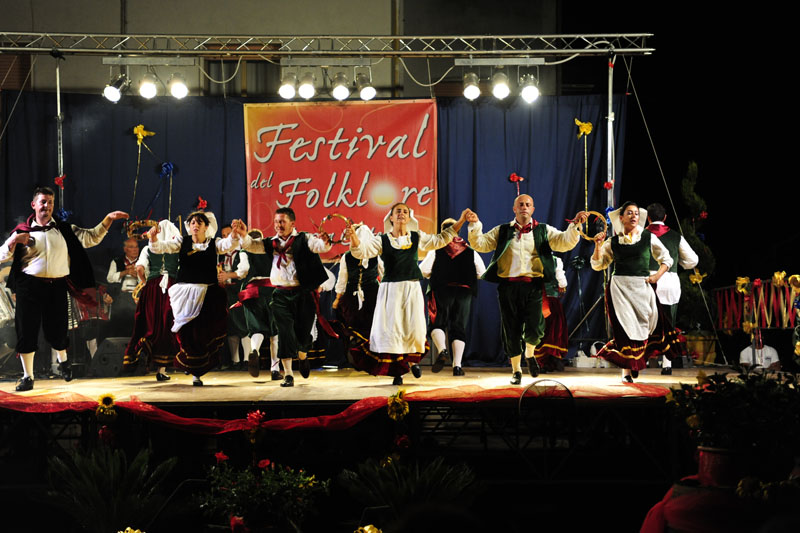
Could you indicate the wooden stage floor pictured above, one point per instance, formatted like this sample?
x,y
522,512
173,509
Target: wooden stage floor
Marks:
x,y
346,385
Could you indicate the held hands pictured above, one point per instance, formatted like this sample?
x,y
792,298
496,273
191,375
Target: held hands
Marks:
x,y
239,228
222,277
152,234
472,216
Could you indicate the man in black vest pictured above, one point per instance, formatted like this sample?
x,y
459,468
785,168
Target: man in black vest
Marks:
x,y
519,271
668,288
49,257
122,280
453,271
296,274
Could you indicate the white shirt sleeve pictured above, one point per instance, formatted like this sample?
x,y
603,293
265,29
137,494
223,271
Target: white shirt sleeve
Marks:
x,y
482,242
341,280
687,258
328,285
244,266
426,267
563,241
659,251
113,275
480,267
560,277
90,237
144,260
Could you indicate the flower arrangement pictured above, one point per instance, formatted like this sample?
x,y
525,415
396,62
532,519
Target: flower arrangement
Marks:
x,y
756,414
397,406
263,493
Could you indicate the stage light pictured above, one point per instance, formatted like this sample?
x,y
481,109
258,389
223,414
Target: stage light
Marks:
x,y
529,91
306,89
500,85
365,89
113,91
471,88
147,87
288,87
177,86
340,89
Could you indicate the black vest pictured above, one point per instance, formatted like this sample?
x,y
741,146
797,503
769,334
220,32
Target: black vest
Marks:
x,y
459,270
358,275
197,266
632,259
672,242
160,263
400,265
540,242
80,268
310,272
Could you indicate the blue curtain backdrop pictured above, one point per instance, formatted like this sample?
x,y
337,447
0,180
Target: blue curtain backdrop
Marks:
x,y
480,144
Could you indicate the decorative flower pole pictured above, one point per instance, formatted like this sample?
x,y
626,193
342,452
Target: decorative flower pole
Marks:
x,y
584,129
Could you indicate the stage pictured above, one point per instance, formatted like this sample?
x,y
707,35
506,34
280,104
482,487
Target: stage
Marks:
x,y
348,386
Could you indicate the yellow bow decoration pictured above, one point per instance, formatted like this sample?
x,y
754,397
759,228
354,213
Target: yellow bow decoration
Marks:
x,y
141,133
794,281
697,277
778,279
584,128
368,529
742,283
747,327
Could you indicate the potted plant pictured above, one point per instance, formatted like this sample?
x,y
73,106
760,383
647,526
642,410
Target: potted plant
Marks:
x,y
747,424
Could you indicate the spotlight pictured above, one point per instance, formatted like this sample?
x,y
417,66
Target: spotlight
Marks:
x,y
147,87
471,88
177,86
529,91
500,85
340,90
365,89
306,89
288,86
113,91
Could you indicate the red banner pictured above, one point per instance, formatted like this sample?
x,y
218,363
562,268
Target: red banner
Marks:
x,y
355,159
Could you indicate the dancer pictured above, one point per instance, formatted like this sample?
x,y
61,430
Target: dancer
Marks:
x,y
397,336
630,295
519,266
153,319
49,258
668,288
230,273
356,293
550,352
296,273
255,295
454,272
198,302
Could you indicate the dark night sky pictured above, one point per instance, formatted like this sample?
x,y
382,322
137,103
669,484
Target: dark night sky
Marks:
x,y
709,97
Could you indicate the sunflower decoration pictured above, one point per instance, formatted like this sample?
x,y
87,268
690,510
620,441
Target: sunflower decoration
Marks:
x,y
778,279
797,348
748,327
106,411
368,529
697,277
131,530
794,282
397,406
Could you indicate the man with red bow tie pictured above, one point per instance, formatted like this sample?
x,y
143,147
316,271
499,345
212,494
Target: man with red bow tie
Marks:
x,y
49,259
296,274
453,271
520,264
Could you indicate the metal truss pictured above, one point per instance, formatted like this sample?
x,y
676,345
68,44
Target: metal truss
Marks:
x,y
265,47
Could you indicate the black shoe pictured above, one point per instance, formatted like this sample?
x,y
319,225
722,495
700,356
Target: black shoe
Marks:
x,y
25,384
398,380
161,377
634,374
197,383
288,381
629,379
66,370
533,366
516,378
276,376
305,367
458,371
438,365
666,371
253,364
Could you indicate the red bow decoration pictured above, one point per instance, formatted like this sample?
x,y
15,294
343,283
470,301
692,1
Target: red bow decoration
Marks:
x,y
514,178
608,185
703,215
201,204
60,180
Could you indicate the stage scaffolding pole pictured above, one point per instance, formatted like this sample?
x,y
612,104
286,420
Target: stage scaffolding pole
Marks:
x,y
59,127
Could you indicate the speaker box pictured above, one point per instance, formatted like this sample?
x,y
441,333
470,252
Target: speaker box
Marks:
x,y
107,362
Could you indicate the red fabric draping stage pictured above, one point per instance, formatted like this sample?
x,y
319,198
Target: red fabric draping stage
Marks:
x,y
352,415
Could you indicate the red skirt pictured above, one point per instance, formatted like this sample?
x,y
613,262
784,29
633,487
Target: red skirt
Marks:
x,y
201,339
151,328
383,364
556,337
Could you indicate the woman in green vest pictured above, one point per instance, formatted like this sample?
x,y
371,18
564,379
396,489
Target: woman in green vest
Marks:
x,y
397,336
